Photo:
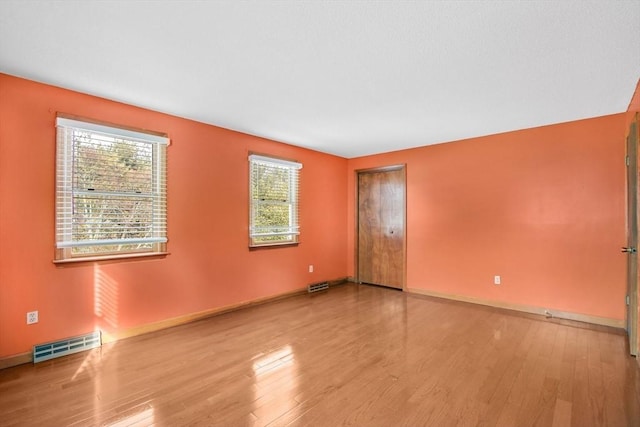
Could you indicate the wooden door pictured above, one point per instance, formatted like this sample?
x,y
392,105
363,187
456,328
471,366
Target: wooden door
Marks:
x,y
381,229
632,237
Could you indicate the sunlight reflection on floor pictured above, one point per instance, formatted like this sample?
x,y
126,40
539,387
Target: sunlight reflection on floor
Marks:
x,y
274,360
144,417
275,370
91,363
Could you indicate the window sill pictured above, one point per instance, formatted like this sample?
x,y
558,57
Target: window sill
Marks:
x,y
272,246
123,257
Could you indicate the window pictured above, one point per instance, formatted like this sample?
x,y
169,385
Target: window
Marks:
x,y
274,201
110,191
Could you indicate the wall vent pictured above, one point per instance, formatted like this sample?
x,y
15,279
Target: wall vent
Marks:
x,y
51,350
315,287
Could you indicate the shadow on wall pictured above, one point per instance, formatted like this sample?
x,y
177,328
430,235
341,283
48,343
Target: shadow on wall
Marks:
x,y
105,302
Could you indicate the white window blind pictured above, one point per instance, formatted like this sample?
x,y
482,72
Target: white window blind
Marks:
x,y
274,201
110,190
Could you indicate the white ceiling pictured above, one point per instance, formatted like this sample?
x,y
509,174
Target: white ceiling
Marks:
x,y
344,77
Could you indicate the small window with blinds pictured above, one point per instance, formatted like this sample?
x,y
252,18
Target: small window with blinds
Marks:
x,y
110,191
274,201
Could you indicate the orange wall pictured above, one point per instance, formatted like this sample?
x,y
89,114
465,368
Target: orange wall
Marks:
x,y
544,208
210,265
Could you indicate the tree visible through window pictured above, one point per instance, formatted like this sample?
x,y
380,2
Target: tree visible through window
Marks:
x,y
274,201
111,191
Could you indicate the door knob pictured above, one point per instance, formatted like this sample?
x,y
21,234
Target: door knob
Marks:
x,y
630,250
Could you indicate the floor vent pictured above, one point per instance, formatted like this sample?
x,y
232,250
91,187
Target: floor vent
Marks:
x,y
318,287
42,352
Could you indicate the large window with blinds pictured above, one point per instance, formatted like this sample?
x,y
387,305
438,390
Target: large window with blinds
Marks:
x,y
110,191
273,201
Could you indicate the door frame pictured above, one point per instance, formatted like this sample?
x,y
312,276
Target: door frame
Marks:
x,y
632,142
357,172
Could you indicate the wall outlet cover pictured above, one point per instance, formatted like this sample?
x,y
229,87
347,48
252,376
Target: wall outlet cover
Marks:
x,y
32,317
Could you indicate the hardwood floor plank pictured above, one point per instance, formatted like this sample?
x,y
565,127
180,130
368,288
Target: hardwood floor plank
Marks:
x,y
595,379
354,355
561,414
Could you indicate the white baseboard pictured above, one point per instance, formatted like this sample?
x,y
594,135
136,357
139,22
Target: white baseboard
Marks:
x,y
596,320
19,359
192,317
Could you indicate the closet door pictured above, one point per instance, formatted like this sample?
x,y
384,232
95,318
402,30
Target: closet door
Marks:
x,y
381,227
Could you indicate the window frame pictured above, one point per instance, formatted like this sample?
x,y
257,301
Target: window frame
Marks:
x,y
293,202
67,191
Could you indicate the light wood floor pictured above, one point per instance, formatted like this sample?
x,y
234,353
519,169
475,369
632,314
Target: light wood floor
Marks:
x,y
354,355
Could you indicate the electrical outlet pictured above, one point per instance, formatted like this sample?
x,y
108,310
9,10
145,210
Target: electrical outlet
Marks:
x,y
32,317
310,268
496,280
